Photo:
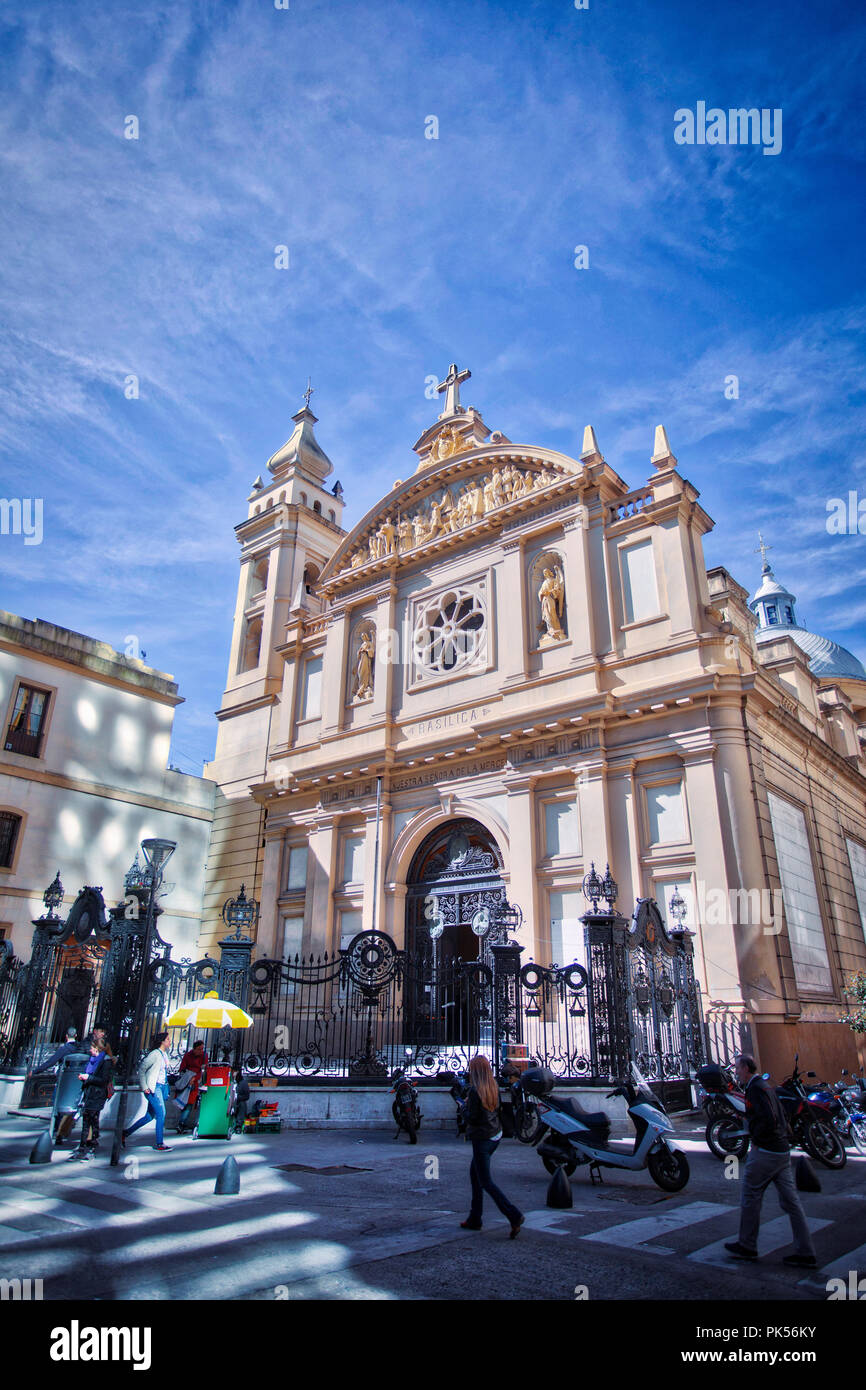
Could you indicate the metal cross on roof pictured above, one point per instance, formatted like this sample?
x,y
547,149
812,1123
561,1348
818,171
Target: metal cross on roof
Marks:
x,y
762,548
309,391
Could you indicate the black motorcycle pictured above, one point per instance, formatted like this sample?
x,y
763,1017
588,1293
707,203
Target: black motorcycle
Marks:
x,y
525,1115
459,1093
405,1107
810,1121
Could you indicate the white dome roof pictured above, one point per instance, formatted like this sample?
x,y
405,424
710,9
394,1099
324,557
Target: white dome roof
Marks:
x,y
826,657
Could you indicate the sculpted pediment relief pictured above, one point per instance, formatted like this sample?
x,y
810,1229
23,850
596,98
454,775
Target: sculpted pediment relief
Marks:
x,y
457,499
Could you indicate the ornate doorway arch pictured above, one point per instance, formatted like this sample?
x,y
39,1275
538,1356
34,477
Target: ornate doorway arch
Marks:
x,y
455,875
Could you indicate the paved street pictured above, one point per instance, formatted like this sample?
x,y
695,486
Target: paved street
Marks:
x,y
383,1224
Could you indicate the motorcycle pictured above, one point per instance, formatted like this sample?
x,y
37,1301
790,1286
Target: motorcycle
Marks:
x,y
405,1106
725,1106
459,1093
811,1121
570,1135
844,1104
526,1119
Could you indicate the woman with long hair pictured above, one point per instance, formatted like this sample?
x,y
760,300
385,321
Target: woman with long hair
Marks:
x,y
484,1131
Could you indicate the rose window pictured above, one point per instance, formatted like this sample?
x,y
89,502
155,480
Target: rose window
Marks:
x,y
450,632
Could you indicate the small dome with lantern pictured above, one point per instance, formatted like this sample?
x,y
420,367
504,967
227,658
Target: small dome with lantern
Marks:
x,y
776,610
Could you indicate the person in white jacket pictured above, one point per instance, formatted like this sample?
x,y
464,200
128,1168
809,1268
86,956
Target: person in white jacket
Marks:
x,y
153,1076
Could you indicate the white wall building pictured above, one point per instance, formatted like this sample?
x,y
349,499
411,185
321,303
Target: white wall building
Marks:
x,y
83,779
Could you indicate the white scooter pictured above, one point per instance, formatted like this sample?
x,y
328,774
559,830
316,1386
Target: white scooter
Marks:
x,y
570,1135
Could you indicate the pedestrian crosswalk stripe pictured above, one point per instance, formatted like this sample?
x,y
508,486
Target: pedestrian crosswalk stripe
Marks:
x,y
774,1235
32,1202
842,1267
646,1228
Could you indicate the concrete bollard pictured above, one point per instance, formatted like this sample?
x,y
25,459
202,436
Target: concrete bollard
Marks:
x,y
43,1148
559,1191
228,1182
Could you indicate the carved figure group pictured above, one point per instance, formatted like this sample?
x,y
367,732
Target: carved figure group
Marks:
x,y
448,513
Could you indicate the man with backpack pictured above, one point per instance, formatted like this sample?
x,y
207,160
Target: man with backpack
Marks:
x,y
769,1161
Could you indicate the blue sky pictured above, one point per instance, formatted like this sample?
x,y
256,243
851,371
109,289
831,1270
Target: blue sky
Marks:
x,y
305,127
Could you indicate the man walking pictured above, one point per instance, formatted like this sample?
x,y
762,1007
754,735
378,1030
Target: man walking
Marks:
x,y
769,1161
63,1121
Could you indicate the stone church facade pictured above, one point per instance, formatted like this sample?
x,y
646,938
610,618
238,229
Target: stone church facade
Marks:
x,y
515,666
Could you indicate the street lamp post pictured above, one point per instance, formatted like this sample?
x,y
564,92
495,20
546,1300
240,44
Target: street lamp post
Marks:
x,y
157,853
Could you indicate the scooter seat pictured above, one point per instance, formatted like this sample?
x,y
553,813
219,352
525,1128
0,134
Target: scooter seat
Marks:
x,y
596,1119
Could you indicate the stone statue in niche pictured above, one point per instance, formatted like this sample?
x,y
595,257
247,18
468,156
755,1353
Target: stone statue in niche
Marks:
x,y
551,596
363,682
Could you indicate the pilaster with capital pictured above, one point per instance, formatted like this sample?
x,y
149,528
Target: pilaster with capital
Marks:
x,y
334,676
268,935
718,954
522,885
321,875
578,587
512,614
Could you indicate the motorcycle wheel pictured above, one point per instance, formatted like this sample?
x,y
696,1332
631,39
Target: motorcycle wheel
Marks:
x,y
719,1136
526,1123
410,1124
668,1170
857,1132
568,1161
824,1145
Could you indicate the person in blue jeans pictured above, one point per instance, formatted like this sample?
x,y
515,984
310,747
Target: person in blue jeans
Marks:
x,y
153,1076
485,1131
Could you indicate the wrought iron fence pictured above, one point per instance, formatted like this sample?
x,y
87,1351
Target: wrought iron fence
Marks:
x,y
354,1016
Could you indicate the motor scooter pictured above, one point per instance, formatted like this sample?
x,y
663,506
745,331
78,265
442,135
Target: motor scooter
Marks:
x,y
571,1135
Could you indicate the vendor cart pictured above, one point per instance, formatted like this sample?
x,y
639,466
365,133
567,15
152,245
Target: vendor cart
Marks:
x,y
215,1119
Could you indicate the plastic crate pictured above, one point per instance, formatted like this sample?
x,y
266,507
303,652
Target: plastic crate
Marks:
x,y
273,1126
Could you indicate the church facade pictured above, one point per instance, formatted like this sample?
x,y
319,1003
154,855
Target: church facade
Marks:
x,y
516,666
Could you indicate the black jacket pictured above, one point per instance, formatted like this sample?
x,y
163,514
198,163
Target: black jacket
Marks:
x,y
480,1123
95,1088
768,1127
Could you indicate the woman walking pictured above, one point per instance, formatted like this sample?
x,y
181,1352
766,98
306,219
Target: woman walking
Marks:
x,y
95,1084
154,1084
484,1131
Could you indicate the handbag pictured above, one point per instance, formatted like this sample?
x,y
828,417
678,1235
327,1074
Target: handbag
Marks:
x,y
805,1176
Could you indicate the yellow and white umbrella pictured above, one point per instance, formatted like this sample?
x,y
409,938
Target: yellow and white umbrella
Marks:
x,y
210,1012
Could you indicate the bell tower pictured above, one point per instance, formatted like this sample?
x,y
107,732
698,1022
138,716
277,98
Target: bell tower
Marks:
x,y
293,526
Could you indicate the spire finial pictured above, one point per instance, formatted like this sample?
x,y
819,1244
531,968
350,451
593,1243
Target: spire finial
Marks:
x,y
761,549
662,456
451,387
309,391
